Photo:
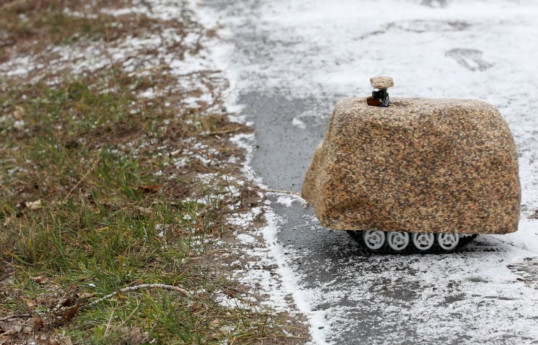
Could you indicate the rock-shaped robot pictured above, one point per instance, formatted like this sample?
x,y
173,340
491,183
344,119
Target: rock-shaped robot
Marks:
x,y
415,173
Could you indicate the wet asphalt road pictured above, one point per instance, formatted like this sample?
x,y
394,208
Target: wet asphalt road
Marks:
x,y
483,295
364,299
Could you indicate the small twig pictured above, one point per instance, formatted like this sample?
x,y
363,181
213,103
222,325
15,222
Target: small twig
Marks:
x,y
108,323
131,315
225,131
20,316
82,179
136,288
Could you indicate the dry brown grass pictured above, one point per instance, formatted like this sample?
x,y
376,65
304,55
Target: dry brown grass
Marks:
x,y
102,189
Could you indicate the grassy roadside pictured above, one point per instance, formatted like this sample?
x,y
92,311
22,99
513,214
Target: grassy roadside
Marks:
x,y
104,191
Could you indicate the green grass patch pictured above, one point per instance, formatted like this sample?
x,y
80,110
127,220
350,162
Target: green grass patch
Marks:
x,y
88,207
102,191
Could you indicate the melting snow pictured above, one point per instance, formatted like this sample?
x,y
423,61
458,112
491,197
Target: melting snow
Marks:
x,y
449,49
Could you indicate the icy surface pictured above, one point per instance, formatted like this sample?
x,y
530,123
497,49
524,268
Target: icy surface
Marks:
x,y
312,49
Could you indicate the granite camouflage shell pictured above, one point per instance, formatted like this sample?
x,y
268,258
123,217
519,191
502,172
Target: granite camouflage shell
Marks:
x,y
419,165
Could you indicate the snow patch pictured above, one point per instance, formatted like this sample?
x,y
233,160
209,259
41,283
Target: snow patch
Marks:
x,y
308,48
285,200
298,123
246,239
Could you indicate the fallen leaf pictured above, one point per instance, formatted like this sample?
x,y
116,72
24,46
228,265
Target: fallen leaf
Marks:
x,y
38,323
30,303
53,339
33,205
19,113
66,301
40,279
10,328
44,340
85,295
144,210
134,335
70,313
64,340
150,188
9,220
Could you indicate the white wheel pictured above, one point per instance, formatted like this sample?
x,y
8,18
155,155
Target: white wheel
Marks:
x,y
398,241
373,239
423,241
448,242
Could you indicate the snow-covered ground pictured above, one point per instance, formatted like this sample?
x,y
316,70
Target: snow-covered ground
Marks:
x,y
320,51
137,56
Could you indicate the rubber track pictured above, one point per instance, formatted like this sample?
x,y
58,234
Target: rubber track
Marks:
x,y
411,249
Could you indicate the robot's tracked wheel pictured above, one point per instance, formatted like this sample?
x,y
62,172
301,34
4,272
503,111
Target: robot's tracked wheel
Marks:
x,y
398,241
374,240
448,242
423,241
377,241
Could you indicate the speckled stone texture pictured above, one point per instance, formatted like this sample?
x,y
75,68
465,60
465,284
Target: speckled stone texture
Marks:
x,y
381,82
419,165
